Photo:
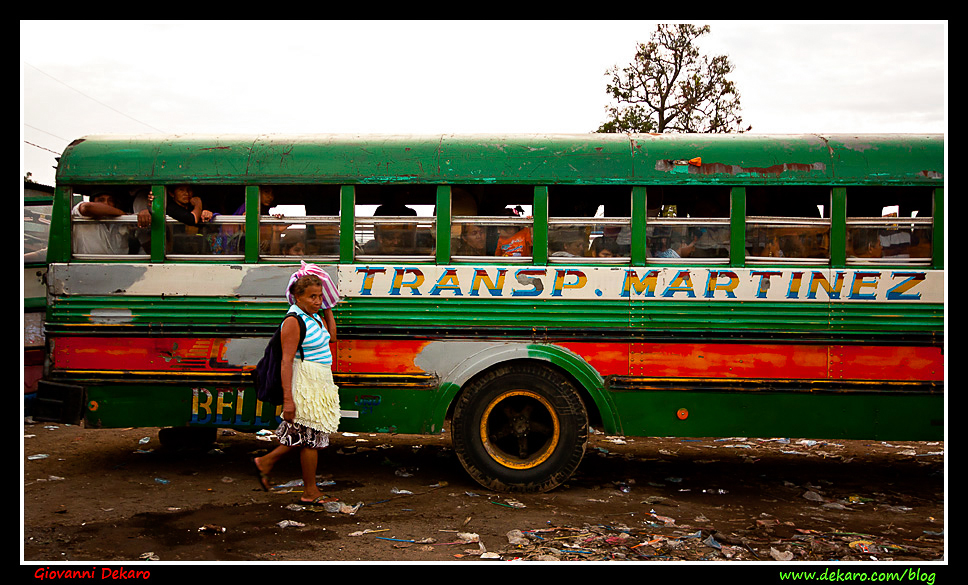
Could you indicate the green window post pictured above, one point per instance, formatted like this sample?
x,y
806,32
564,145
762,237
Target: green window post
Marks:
x,y
540,218
737,227
253,206
158,231
347,225
838,227
59,246
639,223
937,230
443,224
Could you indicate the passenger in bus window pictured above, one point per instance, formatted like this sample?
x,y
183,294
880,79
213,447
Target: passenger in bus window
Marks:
x,y
792,246
184,206
100,238
392,239
772,248
141,199
513,241
605,247
664,246
865,243
292,243
569,243
267,199
473,241
662,249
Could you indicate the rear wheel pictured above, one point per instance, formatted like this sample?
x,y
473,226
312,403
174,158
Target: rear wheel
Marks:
x,y
520,428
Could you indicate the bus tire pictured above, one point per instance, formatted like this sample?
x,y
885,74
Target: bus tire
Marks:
x,y
521,427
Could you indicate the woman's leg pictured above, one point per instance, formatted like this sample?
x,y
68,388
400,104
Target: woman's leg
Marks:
x,y
308,459
268,461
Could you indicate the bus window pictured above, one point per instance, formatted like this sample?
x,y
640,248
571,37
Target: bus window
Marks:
x,y
589,222
104,223
787,224
299,220
875,232
395,221
205,220
687,223
492,221
36,228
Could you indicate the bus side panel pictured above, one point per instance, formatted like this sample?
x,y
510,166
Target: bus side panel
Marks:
x,y
376,409
383,409
763,414
167,404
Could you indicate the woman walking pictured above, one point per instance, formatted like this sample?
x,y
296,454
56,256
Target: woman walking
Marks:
x,y
310,409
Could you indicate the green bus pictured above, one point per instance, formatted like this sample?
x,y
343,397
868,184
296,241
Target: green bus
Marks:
x,y
517,288
37,207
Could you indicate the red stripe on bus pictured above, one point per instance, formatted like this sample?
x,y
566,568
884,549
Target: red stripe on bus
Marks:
x,y
660,360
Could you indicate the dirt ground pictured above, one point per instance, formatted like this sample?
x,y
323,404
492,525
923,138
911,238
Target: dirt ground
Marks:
x,y
117,495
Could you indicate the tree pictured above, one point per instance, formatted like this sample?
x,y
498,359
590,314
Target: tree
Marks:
x,y
670,87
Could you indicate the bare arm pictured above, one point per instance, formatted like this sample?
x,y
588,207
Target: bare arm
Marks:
x,y
290,343
196,204
330,321
98,210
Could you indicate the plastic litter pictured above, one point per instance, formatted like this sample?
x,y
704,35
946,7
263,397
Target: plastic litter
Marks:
x,y
813,496
516,537
780,555
290,524
368,531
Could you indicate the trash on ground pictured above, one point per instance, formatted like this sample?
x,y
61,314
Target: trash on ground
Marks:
x,y
290,524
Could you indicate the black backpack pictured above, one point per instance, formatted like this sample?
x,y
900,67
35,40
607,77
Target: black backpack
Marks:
x,y
268,372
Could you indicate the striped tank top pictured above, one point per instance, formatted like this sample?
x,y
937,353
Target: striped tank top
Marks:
x,y
315,346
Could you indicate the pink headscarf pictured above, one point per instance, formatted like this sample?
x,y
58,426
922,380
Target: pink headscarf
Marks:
x,y
330,292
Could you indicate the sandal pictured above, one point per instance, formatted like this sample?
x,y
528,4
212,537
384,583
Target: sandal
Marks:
x,y
263,477
323,499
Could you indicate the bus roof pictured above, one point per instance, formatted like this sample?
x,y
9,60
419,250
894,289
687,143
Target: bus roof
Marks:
x,y
740,159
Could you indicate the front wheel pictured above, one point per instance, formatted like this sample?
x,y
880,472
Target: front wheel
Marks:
x,y
520,428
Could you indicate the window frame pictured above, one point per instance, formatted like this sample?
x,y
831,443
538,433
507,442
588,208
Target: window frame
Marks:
x,y
837,226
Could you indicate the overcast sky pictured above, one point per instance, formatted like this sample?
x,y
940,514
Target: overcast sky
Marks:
x,y
89,77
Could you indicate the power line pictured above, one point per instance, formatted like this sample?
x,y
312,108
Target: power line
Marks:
x,y
45,132
93,99
41,147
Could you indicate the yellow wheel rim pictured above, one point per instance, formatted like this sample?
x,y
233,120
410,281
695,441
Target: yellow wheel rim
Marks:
x,y
512,461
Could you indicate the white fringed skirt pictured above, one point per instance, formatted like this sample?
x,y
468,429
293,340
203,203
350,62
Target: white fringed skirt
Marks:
x,y
316,398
